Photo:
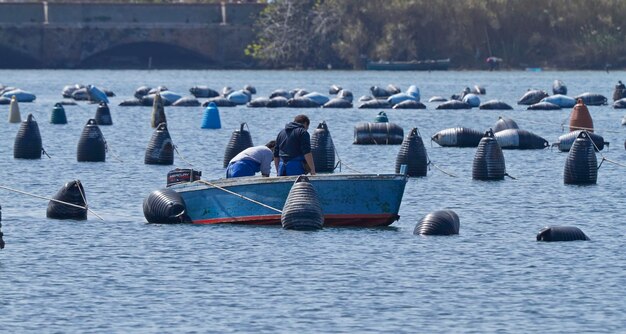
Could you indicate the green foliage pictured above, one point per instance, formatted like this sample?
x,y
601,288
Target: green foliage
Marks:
x,y
556,33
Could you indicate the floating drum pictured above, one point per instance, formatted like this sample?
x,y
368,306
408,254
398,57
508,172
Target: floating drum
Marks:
x,y
28,140
544,106
558,87
442,222
409,104
72,192
457,137
532,97
489,161
520,139
165,206
560,100
302,210
58,114
14,111
592,99
323,149
504,123
259,102
158,111
565,142
580,118
495,105
103,114
561,233
211,117
619,92
91,145
375,104
454,104
337,102
160,149
378,134
581,165
239,141
413,155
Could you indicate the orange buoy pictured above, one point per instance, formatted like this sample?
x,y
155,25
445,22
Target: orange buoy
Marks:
x,y
580,118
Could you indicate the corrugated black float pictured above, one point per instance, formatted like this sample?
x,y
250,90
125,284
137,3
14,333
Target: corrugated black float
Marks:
x,y
323,149
27,143
160,150
91,145
302,209
488,161
413,155
74,193
239,141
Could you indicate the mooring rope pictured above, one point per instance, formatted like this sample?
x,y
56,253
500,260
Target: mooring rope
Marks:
x,y
51,199
181,156
106,149
602,155
240,196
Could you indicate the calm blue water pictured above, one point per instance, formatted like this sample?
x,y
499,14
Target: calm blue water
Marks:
x,y
123,275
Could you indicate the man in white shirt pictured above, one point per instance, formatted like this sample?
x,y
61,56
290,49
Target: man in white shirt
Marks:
x,y
252,160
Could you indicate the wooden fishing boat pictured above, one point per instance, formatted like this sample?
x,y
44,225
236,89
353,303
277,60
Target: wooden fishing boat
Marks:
x,y
359,200
415,65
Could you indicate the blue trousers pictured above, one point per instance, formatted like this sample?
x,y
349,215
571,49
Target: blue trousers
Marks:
x,y
294,166
242,168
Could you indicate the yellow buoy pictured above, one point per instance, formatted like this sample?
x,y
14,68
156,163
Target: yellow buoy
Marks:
x,y
14,111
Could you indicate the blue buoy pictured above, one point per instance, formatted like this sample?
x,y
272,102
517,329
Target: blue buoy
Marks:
x,y
211,117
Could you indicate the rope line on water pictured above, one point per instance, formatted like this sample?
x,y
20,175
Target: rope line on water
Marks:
x,y
106,149
181,156
51,199
240,196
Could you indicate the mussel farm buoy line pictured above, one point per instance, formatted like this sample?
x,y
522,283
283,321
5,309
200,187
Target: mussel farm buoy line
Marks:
x,y
323,149
91,145
160,150
413,155
28,140
239,141
165,206
581,165
488,161
442,222
561,233
302,210
103,114
72,192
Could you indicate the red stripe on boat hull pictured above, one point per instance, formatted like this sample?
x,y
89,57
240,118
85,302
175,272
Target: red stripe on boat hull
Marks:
x,y
376,220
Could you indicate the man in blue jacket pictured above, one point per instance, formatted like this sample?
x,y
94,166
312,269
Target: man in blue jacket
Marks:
x,y
292,153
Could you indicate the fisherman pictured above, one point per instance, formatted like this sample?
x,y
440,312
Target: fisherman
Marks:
x,y
292,154
251,160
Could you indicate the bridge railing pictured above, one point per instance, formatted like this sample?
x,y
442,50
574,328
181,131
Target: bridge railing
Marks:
x,y
15,13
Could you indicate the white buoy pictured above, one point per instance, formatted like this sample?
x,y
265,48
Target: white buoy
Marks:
x,y
14,111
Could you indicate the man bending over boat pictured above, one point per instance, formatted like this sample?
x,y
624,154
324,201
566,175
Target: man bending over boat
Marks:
x,y
292,154
251,160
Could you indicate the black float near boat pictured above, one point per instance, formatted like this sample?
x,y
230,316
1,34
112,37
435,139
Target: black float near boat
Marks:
x,y
413,65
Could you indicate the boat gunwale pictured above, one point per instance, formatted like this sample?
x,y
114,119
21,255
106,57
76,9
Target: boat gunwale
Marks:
x,y
258,180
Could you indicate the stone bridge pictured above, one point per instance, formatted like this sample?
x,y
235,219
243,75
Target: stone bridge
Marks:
x,y
125,35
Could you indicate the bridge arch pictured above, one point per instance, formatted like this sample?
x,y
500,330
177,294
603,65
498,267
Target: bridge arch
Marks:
x,y
12,58
147,54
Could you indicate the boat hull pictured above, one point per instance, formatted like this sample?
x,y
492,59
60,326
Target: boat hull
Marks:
x,y
421,65
360,200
